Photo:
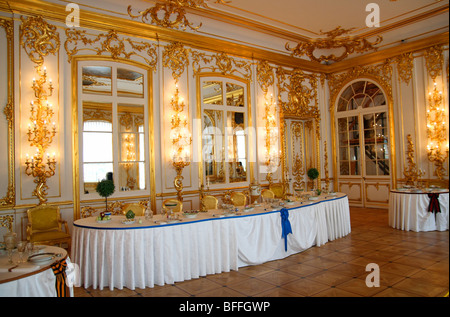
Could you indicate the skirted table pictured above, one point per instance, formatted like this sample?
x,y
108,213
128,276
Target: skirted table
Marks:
x,y
155,252
46,277
419,210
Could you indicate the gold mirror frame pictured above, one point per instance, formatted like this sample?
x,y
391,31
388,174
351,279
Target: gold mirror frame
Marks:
x,y
9,199
387,91
246,84
75,133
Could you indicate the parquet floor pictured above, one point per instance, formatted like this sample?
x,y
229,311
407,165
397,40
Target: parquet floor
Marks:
x,y
411,265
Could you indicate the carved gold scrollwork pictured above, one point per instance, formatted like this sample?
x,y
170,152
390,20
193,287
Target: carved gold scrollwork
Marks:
x,y
176,57
224,64
110,43
412,173
7,221
265,75
435,61
171,13
38,39
334,40
405,65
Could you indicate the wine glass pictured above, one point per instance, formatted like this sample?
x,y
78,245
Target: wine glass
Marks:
x,y
21,245
10,243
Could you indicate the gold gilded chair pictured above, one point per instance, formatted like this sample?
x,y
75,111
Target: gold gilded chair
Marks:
x,y
45,226
137,208
210,202
238,199
278,190
267,193
178,208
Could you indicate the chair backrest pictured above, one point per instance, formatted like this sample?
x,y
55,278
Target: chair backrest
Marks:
x,y
178,208
137,208
210,202
238,199
277,189
44,218
267,193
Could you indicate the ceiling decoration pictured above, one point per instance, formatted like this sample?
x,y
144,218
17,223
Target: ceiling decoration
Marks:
x,y
174,13
333,41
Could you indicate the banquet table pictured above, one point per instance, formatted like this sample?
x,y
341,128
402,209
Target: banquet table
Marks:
x,y
409,210
31,279
157,252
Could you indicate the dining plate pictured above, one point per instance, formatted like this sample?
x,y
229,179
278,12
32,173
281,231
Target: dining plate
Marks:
x,y
128,222
41,258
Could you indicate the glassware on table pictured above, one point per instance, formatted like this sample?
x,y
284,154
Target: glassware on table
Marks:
x,y
21,246
10,244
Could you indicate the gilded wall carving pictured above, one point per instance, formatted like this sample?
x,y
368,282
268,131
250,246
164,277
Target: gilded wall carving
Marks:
x,y
333,40
405,66
265,75
434,60
9,198
111,44
38,39
176,57
221,63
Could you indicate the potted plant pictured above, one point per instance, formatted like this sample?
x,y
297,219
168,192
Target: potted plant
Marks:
x,y
313,174
105,188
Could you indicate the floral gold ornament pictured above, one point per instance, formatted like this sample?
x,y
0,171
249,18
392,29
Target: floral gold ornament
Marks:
x,y
176,57
333,40
171,13
38,39
41,132
437,148
181,141
224,64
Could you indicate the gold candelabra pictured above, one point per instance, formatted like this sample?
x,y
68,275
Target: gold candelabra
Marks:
x,y
437,132
412,173
41,135
130,159
181,141
272,155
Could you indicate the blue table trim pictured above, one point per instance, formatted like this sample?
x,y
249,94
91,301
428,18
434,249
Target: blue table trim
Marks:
x,y
209,219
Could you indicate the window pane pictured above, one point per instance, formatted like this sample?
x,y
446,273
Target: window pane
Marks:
x,y
235,95
212,93
371,167
353,124
96,80
213,146
344,170
237,147
355,153
130,83
355,168
343,151
342,125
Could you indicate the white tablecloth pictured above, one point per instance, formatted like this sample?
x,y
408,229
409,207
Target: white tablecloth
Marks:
x,y
41,284
145,254
408,211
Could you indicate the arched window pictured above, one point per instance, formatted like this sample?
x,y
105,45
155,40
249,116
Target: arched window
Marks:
x,y
362,131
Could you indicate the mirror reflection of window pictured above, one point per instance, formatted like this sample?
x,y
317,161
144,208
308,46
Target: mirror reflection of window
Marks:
x,y
97,80
97,144
224,146
130,83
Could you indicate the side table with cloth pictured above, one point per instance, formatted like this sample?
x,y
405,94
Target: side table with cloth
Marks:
x,y
409,210
150,252
34,279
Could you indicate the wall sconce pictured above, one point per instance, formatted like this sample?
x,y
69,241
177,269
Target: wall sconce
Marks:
x,y
40,135
181,141
272,154
437,150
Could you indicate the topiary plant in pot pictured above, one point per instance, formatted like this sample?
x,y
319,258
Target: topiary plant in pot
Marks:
x,y
105,188
313,174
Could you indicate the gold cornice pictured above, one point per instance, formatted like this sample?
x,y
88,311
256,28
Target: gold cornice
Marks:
x,y
104,22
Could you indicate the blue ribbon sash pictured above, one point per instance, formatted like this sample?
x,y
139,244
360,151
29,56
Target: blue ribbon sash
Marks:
x,y
285,226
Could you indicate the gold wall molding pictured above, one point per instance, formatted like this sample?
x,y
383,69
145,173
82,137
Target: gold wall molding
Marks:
x,y
176,57
405,66
110,43
7,221
333,40
38,38
9,199
412,173
173,13
265,75
434,60
221,63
